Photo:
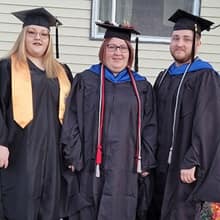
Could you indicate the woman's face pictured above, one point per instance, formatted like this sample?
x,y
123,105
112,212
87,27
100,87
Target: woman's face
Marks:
x,y
36,40
116,55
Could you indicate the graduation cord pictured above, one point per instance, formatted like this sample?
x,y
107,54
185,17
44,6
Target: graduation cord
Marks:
x,y
101,121
175,113
138,146
162,77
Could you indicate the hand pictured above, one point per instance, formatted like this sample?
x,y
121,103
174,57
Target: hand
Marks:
x,y
188,175
72,168
4,155
145,173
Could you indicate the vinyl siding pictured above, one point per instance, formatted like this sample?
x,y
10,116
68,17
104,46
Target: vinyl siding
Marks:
x,y
79,51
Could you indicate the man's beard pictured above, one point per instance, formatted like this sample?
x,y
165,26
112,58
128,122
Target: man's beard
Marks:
x,y
184,59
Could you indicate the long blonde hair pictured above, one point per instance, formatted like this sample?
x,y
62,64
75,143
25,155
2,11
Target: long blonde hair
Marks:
x,y
51,65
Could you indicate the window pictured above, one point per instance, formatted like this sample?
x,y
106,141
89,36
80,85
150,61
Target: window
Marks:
x,y
150,17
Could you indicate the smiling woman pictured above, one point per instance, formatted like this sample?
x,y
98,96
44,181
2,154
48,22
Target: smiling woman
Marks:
x,y
36,43
33,90
109,132
117,55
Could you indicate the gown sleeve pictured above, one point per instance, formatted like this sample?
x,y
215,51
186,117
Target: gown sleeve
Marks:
x,y
5,97
68,72
205,123
149,130
204,151
149,134
71,139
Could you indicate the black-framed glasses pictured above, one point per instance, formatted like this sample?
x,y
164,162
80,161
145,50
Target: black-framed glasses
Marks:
x,y
113,48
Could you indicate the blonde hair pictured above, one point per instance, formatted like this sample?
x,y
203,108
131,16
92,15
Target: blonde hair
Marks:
x,y
102,51
51,65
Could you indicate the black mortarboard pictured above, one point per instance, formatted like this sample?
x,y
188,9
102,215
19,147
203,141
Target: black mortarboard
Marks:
x,y
186,21
40,17
121,31
37,16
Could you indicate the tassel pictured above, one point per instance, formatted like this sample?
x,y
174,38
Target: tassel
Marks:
x,y
136,55
139,170
57,41
99,154
97,170
194,42
98,160
170,155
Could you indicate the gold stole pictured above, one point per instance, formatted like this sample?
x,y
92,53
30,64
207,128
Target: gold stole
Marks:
x,y
22,102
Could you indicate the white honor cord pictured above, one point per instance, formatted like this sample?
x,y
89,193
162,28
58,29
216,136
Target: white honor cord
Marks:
x,y
175,114
100,106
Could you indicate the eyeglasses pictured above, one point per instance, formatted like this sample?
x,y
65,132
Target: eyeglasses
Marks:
x,y
33,34
113,48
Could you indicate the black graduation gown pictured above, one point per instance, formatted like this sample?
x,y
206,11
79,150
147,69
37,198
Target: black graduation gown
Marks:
x,y
31,184
1,205
114,194
196,143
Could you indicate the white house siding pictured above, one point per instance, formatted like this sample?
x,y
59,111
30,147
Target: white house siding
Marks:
x,y
211,40
79,52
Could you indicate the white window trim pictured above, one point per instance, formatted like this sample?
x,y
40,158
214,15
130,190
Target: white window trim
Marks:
x,y
147,39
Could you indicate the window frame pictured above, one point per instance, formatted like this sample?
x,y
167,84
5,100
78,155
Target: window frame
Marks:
x,y
95,35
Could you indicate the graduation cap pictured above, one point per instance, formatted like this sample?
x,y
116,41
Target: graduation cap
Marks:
x,y
40,17
122,31
186,21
